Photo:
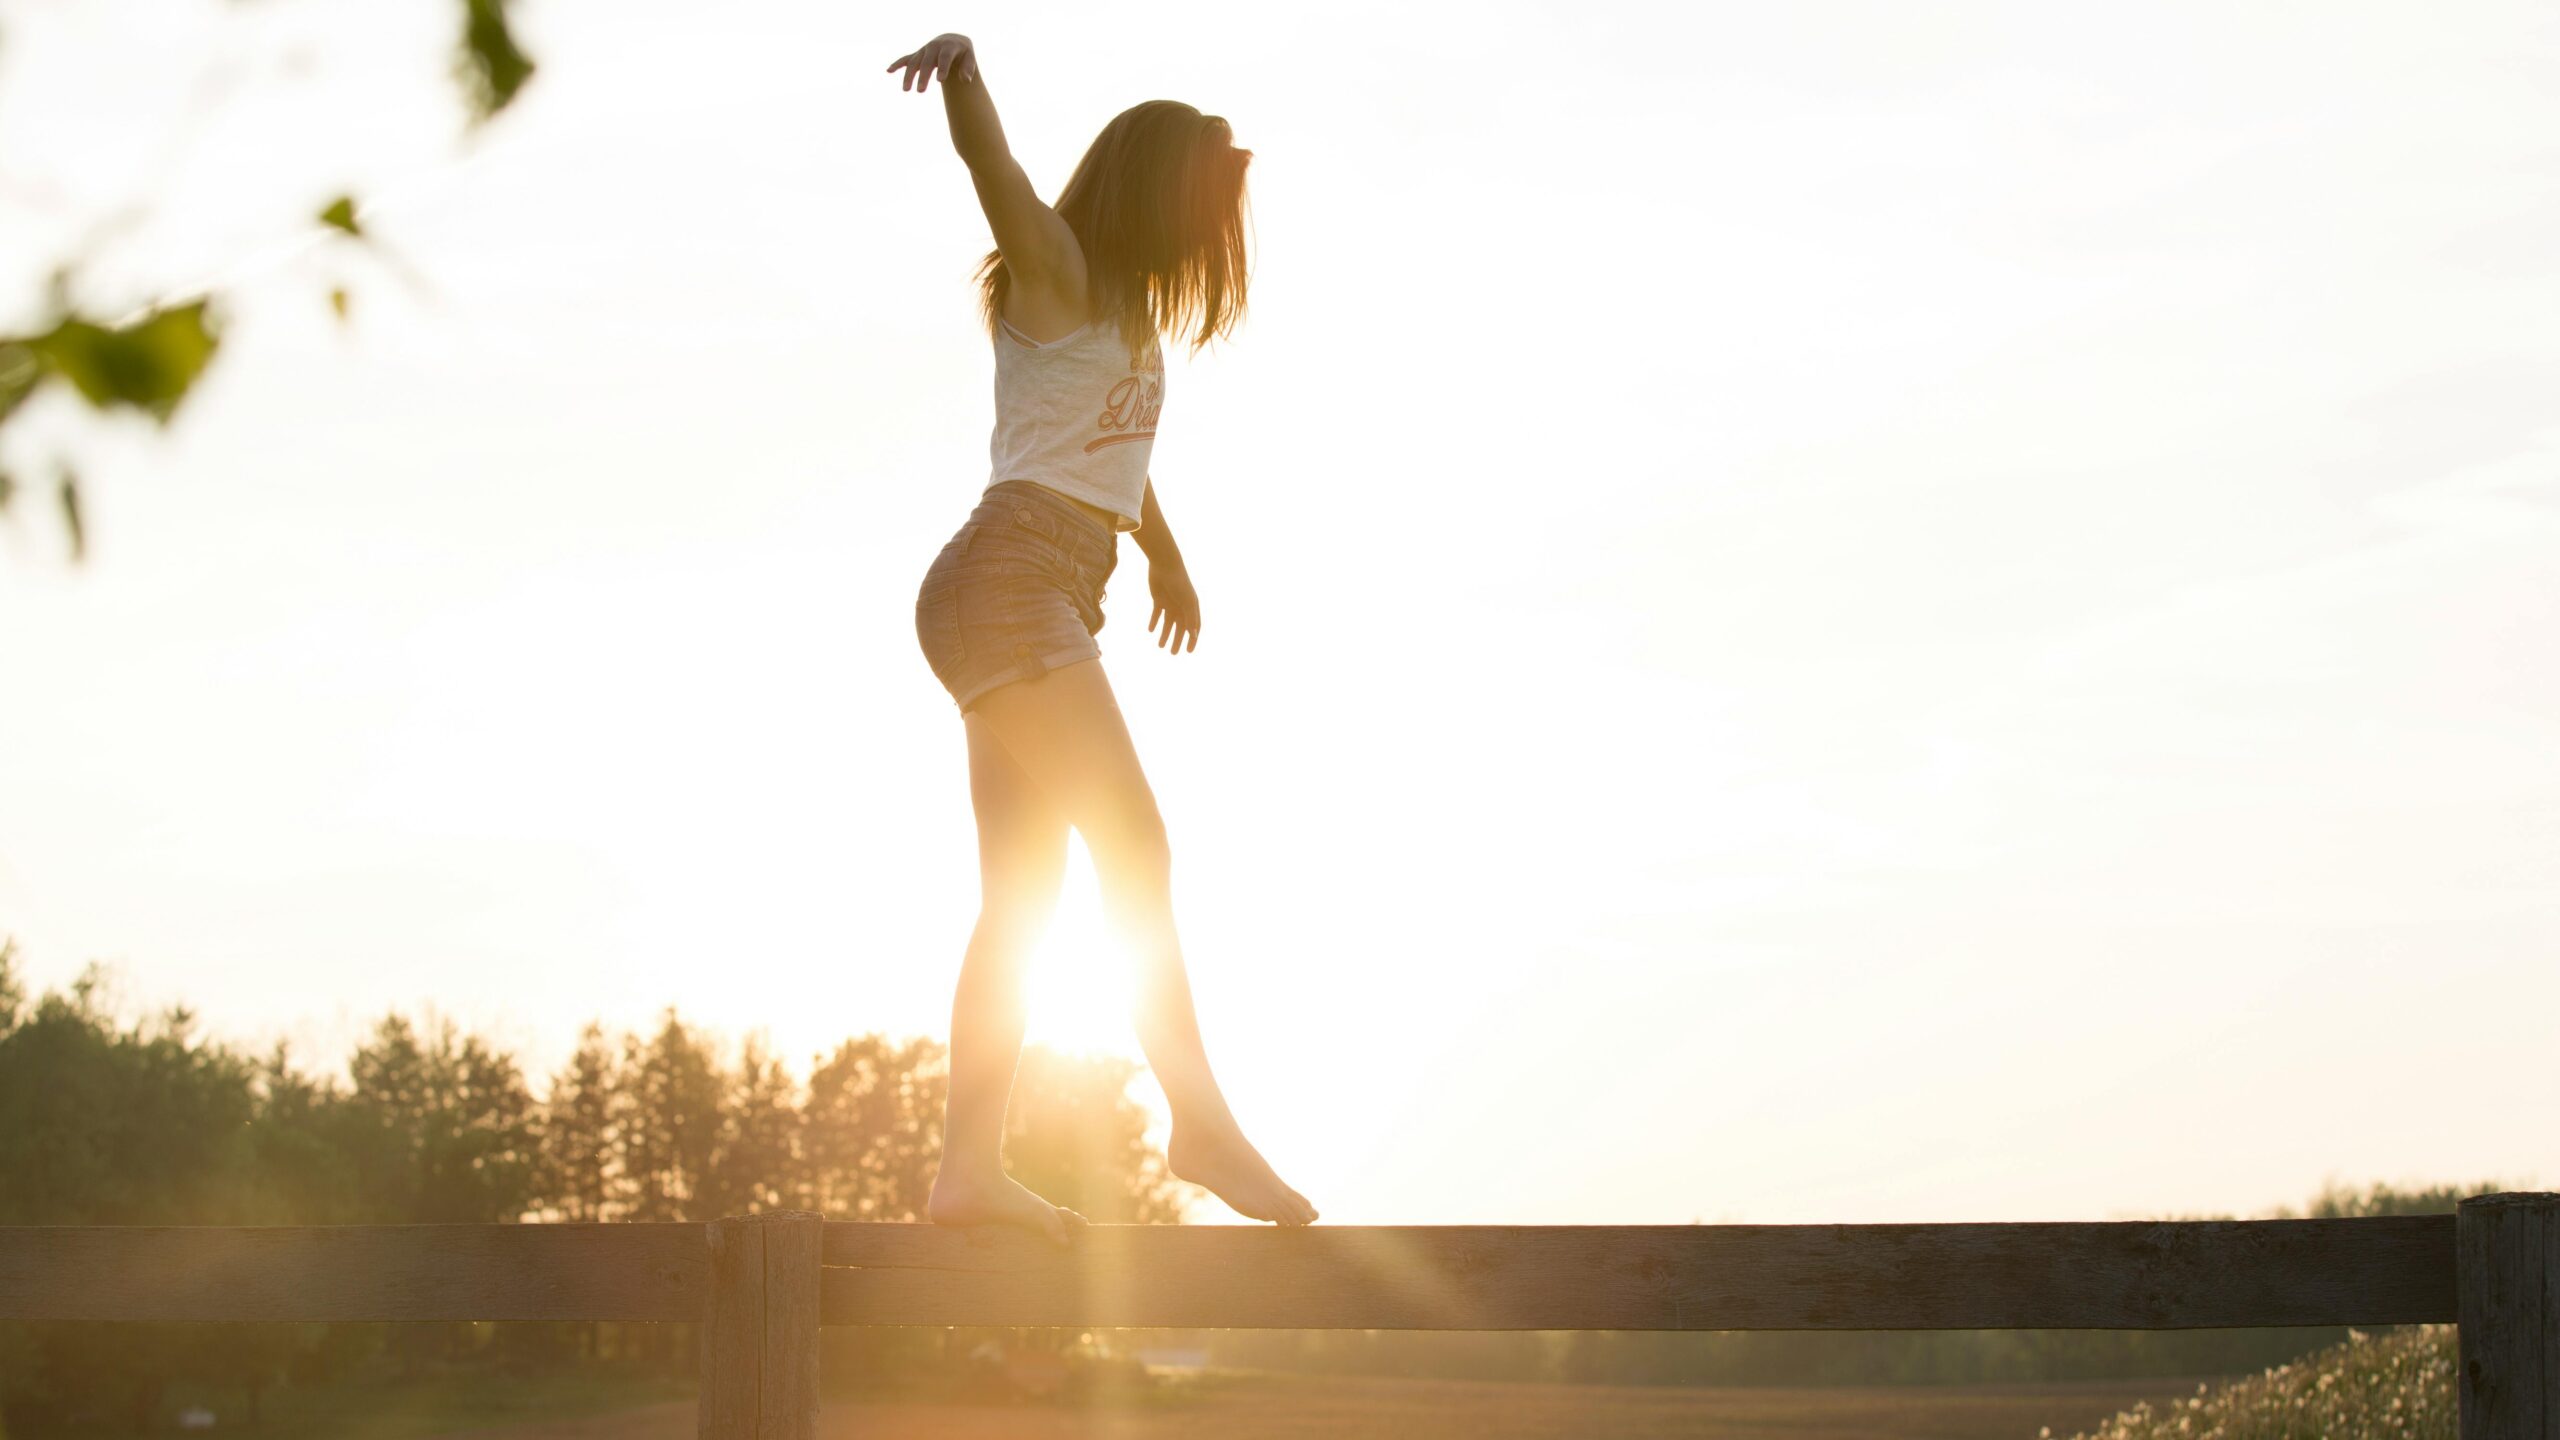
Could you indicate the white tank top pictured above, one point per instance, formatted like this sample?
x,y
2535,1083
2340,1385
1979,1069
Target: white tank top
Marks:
x,y
1076,416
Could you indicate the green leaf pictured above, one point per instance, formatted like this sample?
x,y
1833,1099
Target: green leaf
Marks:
x,y
338,301
493,67
340,214
8,490
20,369
149,364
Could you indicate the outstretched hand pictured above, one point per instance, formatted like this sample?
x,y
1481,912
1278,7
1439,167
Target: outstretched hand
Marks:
x,y
1176,621
952,56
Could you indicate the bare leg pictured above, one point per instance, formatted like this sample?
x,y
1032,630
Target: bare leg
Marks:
x,y
1066,733
1022,853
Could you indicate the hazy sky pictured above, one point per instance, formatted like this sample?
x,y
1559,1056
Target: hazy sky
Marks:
x,y
1813,612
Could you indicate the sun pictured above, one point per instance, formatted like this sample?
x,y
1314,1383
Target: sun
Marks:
x,y
1083,983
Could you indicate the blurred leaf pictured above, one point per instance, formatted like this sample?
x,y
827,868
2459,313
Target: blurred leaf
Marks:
x,y
340,214
8,488
338,301
149,365
19,372
69,491
493,68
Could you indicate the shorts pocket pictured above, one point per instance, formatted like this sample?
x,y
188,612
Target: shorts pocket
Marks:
x,y
938,627
987,551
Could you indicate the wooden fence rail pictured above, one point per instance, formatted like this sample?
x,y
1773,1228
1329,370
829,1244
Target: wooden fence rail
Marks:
x,y
1644,1277
761,1285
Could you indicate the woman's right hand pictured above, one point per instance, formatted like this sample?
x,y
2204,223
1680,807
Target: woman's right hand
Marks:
x,y
950,55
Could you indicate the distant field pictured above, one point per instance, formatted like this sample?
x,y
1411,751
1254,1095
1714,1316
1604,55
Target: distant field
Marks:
x,y
377,1407
1289,1407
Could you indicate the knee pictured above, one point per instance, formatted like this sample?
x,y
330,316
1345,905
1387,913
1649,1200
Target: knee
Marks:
x,y
1132,840
1010,920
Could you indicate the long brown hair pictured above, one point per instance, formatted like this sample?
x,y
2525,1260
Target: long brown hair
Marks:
x,y
1158,204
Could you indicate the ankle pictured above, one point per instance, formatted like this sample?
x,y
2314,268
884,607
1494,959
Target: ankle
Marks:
x,y
973,1173
1205,1125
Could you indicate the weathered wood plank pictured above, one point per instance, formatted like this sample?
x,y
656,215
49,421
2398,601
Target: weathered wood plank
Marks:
x,y
2509,1268
2128,1275
789,1408
2139,1275
352,1272
731,1399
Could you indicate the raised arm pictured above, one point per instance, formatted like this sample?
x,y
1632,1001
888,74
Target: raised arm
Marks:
x,y
1038,247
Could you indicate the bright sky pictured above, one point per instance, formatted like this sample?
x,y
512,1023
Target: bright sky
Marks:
x,y
1813,612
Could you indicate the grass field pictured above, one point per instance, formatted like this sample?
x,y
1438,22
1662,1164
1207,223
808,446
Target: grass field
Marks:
x,y
1298,1407
2396,1386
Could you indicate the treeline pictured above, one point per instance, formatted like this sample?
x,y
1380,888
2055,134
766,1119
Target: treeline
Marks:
x,y
109,1121
1862,1357
133,1122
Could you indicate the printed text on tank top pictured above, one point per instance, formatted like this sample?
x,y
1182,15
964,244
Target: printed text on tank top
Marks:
x,y
1076,414
1129,408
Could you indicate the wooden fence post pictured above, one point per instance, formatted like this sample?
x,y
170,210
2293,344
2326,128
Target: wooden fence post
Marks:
x,y
760,1335
2507,1298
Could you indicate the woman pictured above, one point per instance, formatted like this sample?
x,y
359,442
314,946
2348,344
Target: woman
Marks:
x,y
1148,236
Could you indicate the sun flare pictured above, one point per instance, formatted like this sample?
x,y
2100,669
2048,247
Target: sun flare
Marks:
x,y
1083,982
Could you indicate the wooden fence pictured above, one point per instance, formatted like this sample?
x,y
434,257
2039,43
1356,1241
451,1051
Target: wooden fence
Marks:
x,y
762,1285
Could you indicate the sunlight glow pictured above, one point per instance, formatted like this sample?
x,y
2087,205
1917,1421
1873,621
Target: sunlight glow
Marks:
x,y
1083,983
1955,613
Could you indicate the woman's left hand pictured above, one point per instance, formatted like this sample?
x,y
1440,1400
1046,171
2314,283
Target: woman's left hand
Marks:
x,y
950,54
1176,621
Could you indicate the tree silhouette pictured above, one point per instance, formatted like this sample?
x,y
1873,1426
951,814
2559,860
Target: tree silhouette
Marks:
x,y
871,1128
669,1121
757,1166
444,1127
578,1134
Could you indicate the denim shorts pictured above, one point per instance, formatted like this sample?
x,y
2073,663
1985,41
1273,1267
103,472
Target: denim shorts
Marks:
x,y
1017,593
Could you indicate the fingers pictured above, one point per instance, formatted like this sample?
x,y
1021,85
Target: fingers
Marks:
x,y
920,68
1175,635
954,60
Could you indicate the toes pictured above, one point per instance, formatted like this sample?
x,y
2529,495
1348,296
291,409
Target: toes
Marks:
x,y
1076,1224
1055,1227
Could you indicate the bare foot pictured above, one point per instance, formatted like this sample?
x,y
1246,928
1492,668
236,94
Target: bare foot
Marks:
x,y
959,1199
1219,1159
